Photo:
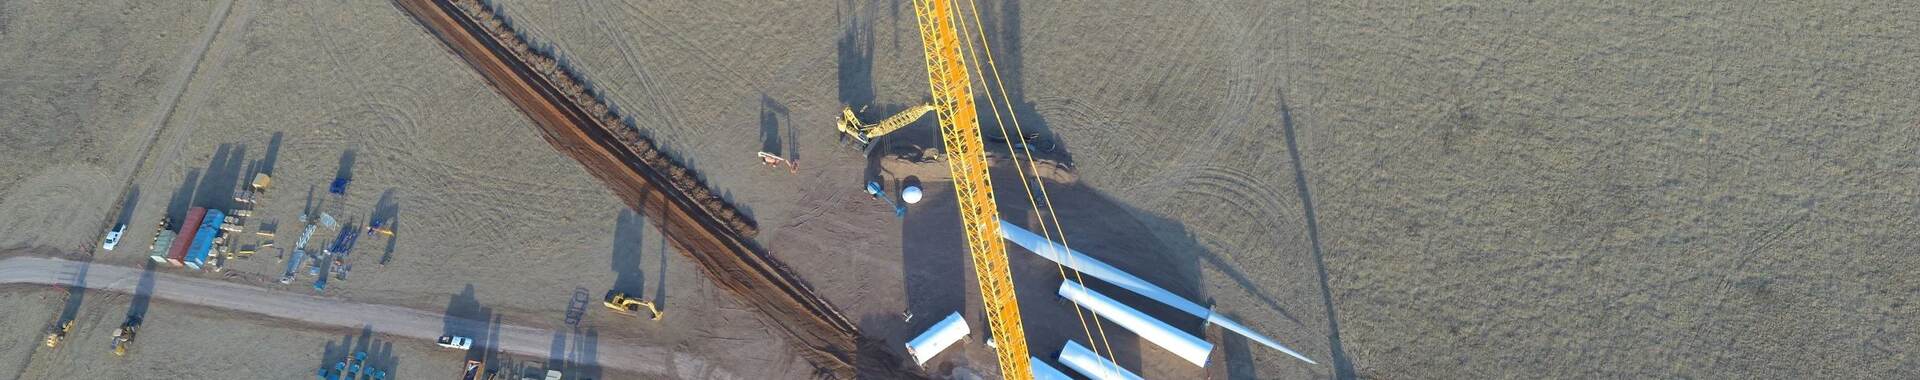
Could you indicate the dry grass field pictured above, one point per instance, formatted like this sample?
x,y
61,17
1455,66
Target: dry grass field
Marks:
x,y
1428,189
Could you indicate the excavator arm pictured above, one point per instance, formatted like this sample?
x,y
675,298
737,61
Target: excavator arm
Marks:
x,y
865,133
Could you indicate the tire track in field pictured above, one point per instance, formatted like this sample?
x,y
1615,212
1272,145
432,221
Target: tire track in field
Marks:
x,y
662,110
338,64
176,89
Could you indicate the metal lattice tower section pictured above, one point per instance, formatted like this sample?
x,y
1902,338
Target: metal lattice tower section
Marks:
x,y
967,159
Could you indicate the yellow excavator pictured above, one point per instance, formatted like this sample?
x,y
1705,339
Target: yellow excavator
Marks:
x,y
851,125
58,333
620,302
123,338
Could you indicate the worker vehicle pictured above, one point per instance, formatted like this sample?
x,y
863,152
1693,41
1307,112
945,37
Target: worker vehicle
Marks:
x,y
456,342
620,302
864,133
123,338
58,333
113,237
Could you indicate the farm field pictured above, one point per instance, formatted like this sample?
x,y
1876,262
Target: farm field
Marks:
x,y
1431,189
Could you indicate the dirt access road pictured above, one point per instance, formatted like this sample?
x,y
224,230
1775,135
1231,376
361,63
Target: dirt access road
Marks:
x,y
391,320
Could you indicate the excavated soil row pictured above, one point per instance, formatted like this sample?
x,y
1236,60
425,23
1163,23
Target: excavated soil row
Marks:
x,y
567,83
824,336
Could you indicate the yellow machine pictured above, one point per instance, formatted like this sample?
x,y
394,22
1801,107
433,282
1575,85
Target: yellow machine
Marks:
x,y
979,216
59,333
851,125
123,338
618,301
261,181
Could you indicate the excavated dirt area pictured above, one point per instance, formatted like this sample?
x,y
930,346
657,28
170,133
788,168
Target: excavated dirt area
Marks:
x,y
692,219
1430,190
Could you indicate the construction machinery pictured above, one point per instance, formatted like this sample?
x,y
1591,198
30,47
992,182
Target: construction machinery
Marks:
x,y
123,338
851,125
58,333
620,302
261,181
952,103
380,228
874,190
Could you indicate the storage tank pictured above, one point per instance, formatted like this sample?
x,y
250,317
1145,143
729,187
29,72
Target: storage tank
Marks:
x,y
203,239
188,228
937,338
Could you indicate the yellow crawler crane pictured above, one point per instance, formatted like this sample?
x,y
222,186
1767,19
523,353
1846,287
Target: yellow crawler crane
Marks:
x,y
967,159
851,125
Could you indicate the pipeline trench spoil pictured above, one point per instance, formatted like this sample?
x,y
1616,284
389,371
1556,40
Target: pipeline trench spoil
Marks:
x,y
697,223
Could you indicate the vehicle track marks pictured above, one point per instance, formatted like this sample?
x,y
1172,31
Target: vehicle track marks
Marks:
x,y
183,76
661,110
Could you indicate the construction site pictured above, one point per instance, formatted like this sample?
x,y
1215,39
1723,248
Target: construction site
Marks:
x,y
509,189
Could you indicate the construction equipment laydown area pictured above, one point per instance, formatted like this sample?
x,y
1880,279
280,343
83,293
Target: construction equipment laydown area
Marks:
x,y
825,337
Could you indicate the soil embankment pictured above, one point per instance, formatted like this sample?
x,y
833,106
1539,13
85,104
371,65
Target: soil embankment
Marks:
x,y
651,184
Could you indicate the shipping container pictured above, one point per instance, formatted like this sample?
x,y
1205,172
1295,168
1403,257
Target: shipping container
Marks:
x,y
177,255
161,242
203,239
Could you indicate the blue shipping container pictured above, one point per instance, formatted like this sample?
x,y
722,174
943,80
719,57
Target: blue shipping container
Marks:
x,y
203,240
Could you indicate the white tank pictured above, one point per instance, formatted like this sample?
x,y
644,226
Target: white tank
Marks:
x,y
938,338
911,194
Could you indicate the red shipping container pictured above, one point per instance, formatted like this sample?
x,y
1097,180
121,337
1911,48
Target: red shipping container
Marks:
x,y
187,229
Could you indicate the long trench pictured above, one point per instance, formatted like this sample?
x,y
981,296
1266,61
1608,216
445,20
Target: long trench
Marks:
x,y
821,334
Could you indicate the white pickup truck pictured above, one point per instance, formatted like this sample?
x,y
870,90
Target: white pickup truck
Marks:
x,y
113,237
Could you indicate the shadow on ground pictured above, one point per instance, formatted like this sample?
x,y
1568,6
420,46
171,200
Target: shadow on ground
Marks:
x,y
358,356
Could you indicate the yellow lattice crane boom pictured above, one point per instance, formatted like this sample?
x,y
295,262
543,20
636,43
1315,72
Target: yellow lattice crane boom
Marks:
x,y
967,159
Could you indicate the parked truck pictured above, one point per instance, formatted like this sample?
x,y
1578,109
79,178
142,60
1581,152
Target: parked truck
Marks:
x,y
209,229
177,254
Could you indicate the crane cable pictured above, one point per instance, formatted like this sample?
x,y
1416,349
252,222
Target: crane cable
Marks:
x,y
1027,147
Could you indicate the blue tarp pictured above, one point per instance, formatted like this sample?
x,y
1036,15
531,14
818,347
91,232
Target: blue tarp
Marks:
x,y
203,239
339,186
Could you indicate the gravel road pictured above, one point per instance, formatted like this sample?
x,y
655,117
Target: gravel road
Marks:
x,y
395,321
